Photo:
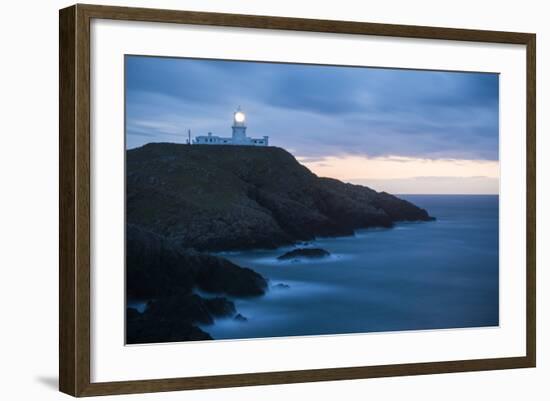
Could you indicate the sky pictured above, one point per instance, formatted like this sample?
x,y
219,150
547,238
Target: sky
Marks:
x,y
400,131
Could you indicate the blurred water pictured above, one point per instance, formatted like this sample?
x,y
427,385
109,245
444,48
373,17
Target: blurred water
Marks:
x,y
441,274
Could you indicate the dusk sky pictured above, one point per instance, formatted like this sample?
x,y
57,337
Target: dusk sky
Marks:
x,y
402,131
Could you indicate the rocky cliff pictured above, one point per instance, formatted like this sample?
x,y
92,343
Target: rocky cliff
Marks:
x,y
214,198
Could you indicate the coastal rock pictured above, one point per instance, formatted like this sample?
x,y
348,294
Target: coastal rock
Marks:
x,y
175,318
240,318
307,253
215,198
219,275
399,210
180,307
220,306
132,313
159,270
143,329
157,267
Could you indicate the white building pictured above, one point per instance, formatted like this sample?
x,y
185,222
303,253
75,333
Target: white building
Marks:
x,y
239,135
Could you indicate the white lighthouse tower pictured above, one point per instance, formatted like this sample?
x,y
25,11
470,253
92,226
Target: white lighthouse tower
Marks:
x,y
239,128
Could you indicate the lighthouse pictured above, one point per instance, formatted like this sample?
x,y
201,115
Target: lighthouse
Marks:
x,y
238,136
239,127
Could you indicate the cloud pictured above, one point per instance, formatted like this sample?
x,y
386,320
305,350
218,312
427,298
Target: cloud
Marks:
x,y
435,185
317,111
349,168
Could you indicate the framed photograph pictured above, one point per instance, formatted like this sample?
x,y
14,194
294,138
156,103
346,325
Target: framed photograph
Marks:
x,y
250,200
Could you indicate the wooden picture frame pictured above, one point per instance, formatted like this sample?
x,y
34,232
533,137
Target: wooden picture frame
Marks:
x,y
74,204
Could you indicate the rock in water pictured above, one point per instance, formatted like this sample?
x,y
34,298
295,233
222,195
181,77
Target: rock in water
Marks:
x,y
281,286
215,198
308,253
240,318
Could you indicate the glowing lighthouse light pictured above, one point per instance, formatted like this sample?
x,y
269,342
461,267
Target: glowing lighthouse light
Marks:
x,y
239,117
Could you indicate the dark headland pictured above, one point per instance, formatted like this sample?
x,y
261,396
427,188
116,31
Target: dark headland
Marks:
x,y
185,201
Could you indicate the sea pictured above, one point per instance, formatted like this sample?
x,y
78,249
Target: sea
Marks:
x,y
441,274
